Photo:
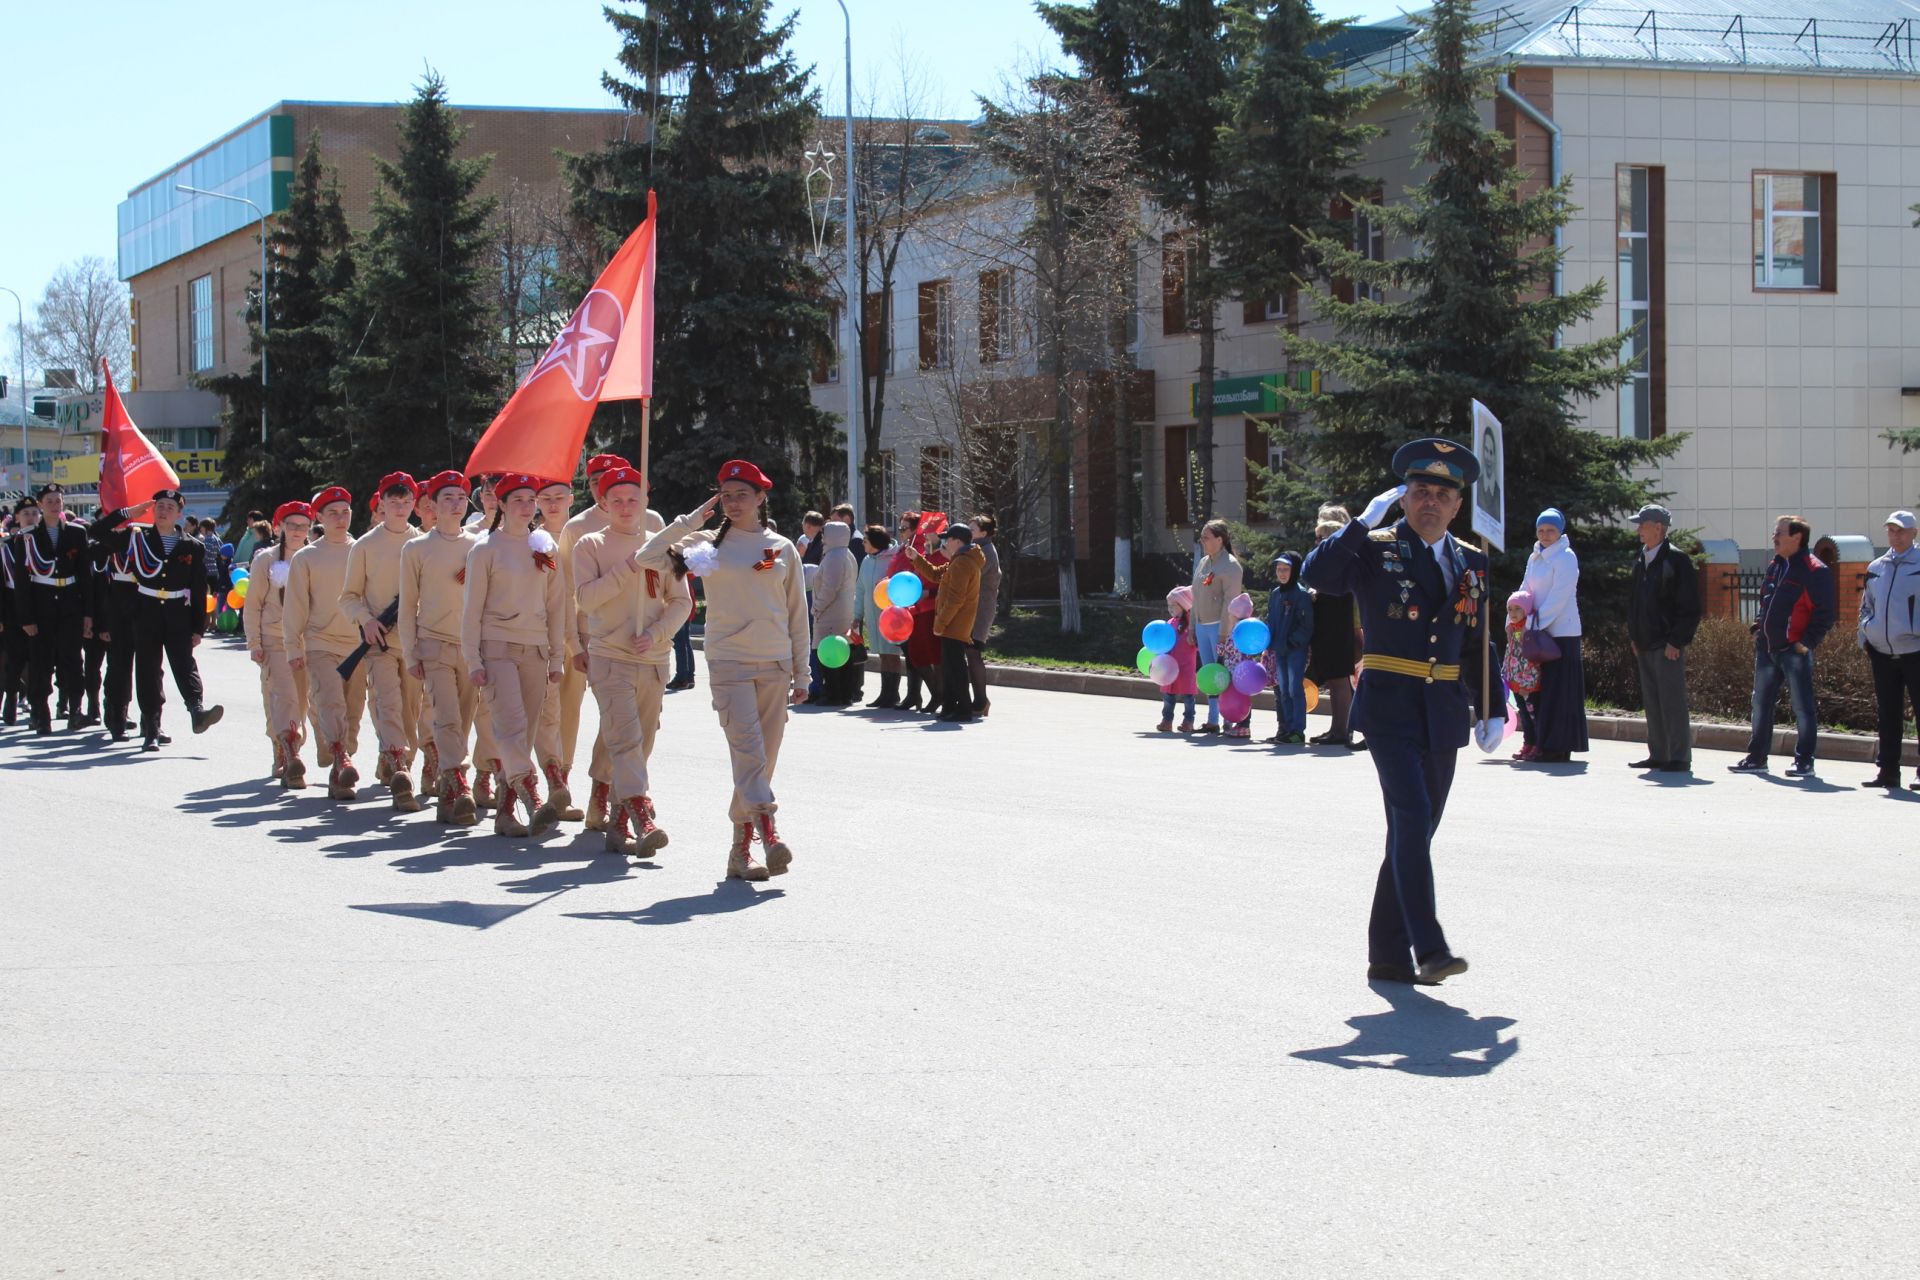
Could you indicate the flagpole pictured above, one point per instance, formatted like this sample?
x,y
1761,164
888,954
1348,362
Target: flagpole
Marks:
x,y
646,441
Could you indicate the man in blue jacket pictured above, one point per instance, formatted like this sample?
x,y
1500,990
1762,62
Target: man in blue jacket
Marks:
x,y
1423,598
1890,633
1797,609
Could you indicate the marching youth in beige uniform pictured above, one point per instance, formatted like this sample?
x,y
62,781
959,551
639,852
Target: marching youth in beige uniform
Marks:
x,y
629,615
372,586
573,685
419,705
283,690
319,636
756,643
513,640
554,501
433,575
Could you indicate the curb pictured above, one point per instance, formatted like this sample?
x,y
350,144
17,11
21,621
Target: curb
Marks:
x,y
1847,747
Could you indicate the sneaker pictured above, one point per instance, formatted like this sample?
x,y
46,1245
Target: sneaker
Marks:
x,y
1748,765
1800,769
1441,967
1297,739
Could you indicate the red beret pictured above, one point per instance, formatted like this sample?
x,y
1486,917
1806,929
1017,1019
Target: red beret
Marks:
x,y
604,461
286,509
397,480
514,480
745,472
446,480
611,476
329,495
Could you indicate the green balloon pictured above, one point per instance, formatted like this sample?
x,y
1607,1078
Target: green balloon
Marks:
x,y
1213,679
1144,659
834,651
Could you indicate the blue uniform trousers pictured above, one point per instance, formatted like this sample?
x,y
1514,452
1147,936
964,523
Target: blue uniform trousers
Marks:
x,y
1414,782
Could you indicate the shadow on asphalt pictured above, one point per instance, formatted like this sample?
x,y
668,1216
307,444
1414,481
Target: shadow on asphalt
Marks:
x,y
727,896
1421,1036
474,915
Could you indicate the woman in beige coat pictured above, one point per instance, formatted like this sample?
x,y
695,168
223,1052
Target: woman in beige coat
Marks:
x,y
756,643
513,640
283,691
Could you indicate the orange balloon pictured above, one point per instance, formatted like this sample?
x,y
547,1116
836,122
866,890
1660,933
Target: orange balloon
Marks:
x,y
880,598
211,603
235,599
1312,692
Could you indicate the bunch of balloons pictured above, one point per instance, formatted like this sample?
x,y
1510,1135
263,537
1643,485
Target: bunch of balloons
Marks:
x,y
237,595
1155,659
894,597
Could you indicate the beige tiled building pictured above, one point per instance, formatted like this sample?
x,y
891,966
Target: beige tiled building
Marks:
x,y
1742,182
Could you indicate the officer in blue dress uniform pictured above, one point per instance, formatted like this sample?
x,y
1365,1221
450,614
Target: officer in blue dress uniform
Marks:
x,y
1423,599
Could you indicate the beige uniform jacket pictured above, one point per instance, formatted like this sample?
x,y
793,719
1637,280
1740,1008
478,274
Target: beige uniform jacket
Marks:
x,y
619,602
265,604
433,573
373,573
312,617
755,614
510,597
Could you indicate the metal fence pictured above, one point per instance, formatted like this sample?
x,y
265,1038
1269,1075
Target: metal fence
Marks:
x,y
1747,592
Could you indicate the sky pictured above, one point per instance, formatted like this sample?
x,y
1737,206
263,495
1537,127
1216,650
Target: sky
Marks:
x,y
146,84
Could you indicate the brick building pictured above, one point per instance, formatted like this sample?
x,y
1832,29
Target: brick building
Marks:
x,y
189,260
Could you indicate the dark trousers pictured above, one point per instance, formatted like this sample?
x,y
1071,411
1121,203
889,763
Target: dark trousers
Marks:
x,y
13,676
54,653
1663,694
95,651
956,698
683,652
1414,783
164,627
116,685
1771,669
1896,686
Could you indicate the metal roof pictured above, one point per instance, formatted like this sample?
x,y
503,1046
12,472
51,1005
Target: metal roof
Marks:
x,y
1827,37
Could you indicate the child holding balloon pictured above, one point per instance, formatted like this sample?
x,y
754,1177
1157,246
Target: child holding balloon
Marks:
x,y
1178,664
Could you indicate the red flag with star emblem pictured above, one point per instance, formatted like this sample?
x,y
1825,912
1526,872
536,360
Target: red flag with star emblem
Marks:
x,y
131,469
604,353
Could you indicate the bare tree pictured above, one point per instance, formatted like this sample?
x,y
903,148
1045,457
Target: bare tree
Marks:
x,y
906,169
540,243
82,319
1069,146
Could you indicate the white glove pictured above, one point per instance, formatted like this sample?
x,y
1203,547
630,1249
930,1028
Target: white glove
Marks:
x,y
1487,734
1377,509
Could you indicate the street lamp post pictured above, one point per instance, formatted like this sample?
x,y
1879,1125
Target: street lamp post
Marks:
x,y
26,452
261,214
850,361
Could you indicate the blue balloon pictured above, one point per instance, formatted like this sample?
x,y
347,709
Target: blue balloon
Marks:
x,y
240,574
1250,635
904,589
1158,637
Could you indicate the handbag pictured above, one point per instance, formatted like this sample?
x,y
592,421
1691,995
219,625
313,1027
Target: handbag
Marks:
x,y
1538,647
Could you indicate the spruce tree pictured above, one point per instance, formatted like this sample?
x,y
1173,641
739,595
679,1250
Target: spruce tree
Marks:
x,y
420,372
1169,63
1293,143
308,266
739,312
1469,314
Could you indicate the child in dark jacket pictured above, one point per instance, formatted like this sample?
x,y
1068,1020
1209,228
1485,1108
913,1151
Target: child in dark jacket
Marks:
x,y
1290,627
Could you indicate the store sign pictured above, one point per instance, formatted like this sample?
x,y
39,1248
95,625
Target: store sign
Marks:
x,y
208,466
81,412
1261,393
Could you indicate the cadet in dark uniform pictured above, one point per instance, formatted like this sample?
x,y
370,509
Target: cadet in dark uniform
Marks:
x,y
50,604
1423,605
169,609
13,643
114,595
93,638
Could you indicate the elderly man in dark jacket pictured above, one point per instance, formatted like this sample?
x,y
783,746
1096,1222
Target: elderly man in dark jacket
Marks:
x,y
1663,612
1797,608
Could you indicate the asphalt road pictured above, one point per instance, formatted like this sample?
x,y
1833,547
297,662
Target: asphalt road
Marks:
x,y
1050,995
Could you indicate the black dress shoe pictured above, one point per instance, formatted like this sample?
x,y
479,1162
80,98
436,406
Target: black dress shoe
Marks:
x,y
83,722
1390,973
1648,763
205,719
118,733
151,743
162,739
1673,766
1890,781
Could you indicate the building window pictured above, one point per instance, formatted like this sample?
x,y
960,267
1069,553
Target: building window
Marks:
x,y
1176,269
1260,311
996,316
1793,231
939,490
889,490
936,324
876,335
200,322
1640,286
1181,476
1370,242
826,361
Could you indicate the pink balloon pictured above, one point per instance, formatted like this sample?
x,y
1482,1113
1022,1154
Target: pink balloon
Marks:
x,y
1164,669
1235,705
1249,677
